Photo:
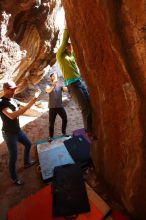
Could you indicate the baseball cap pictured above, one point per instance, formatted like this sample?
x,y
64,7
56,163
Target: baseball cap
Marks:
x,y
9,85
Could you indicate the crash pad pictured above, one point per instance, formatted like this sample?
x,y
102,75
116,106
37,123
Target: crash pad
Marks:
x,y
39,207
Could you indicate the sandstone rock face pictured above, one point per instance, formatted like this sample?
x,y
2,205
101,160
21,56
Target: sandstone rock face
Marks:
x,y
28,36
109,41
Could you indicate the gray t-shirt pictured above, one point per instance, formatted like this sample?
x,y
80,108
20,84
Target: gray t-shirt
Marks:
x,y
55,97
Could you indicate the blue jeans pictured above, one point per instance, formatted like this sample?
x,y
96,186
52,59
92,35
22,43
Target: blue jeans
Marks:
x,y
11,141
80,96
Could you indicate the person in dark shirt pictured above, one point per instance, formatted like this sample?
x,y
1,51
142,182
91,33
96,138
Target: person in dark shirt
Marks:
x,y
11,131
55,104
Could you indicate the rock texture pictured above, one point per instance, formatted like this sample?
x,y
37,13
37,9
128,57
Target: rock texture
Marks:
x,y
109,41
28,36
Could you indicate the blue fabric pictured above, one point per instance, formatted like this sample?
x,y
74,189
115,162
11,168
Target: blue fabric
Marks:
x,y
47,139
52,155
11,141
70,81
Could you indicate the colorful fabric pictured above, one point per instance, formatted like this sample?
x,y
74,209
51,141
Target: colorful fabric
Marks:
x,y
67,63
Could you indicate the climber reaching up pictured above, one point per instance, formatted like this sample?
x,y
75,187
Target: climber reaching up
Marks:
x,y
72,80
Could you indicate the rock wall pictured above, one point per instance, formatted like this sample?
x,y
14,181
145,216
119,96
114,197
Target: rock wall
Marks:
x,y
29,31
109,42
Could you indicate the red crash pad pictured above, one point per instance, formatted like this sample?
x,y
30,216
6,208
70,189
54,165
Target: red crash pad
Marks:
x,y
39,207
118,216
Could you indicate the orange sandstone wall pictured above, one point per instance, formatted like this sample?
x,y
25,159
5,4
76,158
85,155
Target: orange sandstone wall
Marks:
x,y
28,36
109,42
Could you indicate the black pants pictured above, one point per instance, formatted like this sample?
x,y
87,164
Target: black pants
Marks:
x,y
52,116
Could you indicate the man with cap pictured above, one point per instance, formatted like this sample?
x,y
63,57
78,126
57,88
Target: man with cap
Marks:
x,y
55,104
72,79
11,131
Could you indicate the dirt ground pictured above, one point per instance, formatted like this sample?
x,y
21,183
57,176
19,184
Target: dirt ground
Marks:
x,y
36,129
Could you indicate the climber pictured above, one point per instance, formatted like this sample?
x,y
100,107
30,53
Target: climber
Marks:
x,y
72,79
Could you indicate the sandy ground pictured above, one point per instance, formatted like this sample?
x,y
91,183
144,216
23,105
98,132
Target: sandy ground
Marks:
x,y
36,129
